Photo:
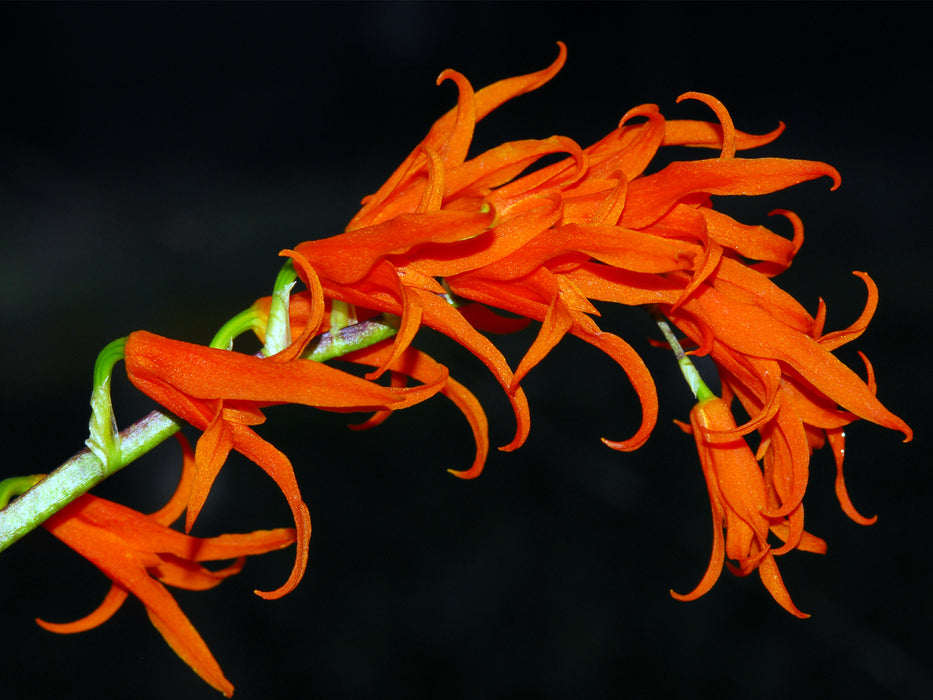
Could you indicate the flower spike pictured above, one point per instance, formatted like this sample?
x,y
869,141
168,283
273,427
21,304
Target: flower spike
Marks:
x,y
532,230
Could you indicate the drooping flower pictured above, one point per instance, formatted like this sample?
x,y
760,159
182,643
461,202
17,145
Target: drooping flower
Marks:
x,y
141,555
222,393
739,501
411,363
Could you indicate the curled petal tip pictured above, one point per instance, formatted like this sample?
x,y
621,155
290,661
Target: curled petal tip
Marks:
x,y
470,473
681,597
449,74
629,445
562,52
303,540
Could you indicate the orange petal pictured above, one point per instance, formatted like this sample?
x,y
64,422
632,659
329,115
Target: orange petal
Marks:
x,y
111,603
771,578
457,144
728,128
210,454
231,375
277,466
181,635
181,573
707,134
651,196
422,367
441,316
555,325
175,506
718,556
752,331
833,340
484,102
641,379
328,256
837,441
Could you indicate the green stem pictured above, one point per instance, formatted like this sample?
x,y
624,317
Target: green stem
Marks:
x,y
104,439
78,475
244,321
17,485
328,346
687,368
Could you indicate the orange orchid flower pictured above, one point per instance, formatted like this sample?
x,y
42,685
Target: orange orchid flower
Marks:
x,y
739,500
140,553
223,393
411,363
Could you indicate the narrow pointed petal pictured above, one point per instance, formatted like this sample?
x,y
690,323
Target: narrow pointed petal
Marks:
x,y
234,376
112,602
422,367
771,578
836,438
653,195
210,454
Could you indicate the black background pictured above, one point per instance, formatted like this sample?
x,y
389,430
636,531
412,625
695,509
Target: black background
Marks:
x,y
157,157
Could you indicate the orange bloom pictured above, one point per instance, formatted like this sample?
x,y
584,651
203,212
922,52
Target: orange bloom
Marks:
x,y
774,358
411,363
139,554
223,393
738,497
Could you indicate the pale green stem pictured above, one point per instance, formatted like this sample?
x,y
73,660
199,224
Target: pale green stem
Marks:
x,y
342,314
78,475
328,346
687,368
243,322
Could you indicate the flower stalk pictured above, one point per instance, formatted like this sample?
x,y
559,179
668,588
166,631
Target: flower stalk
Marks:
x,y
687,368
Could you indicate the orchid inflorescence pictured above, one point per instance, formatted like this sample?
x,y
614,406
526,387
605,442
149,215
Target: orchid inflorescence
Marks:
x,y
471,248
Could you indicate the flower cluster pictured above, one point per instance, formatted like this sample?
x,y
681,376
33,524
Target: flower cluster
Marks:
x,y
450,241
592,227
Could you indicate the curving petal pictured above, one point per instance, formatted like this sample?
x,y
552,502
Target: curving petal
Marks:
x,y
652,196
112,602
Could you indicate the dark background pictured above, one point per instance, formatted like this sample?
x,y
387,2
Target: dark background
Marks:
x,y
157,157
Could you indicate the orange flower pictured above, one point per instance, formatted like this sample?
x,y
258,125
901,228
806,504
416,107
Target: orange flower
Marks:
x,y
774,358
222,393
738,497
139,554
411,363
